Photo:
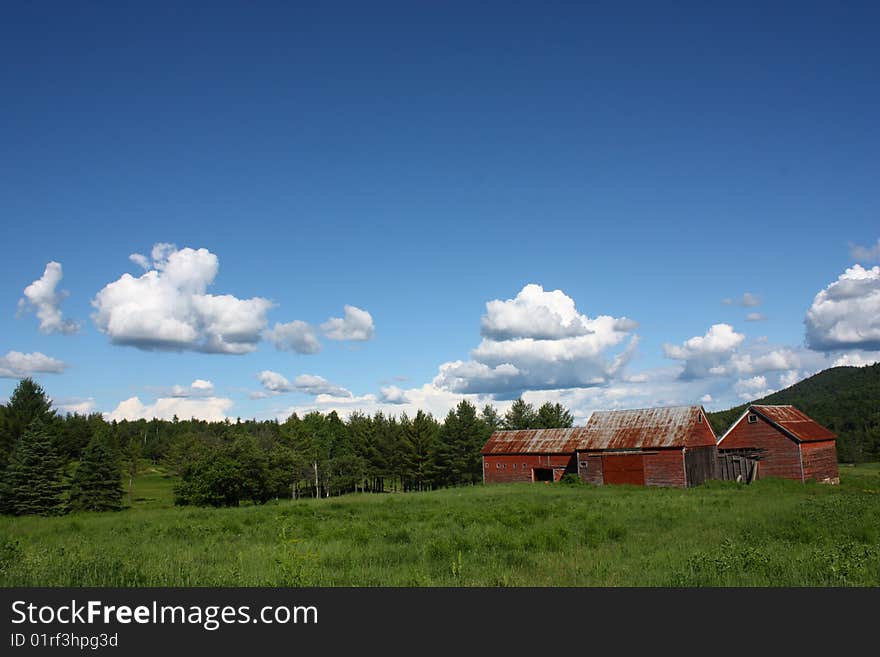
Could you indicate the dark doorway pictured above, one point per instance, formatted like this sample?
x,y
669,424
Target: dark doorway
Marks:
x,y
542,474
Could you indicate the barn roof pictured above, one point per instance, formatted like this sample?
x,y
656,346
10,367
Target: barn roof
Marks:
x,y
672,426
795,422
533,441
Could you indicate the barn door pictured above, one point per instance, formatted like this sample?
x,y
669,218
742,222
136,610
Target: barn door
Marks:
x,y
624,469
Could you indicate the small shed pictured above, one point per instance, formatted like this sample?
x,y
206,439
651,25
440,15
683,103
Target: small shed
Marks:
x,y
529,455
672,446
792,445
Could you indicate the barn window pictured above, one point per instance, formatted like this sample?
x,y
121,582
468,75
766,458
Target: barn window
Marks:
x,y
700,417
753,419
498,466
514,466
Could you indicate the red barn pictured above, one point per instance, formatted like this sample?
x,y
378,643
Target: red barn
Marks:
x,y
529,455
791,444
672,446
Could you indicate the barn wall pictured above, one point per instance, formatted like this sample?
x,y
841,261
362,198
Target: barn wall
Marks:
x,y
506,468
782,456
665,468
701,434
590,468
700,464
820,460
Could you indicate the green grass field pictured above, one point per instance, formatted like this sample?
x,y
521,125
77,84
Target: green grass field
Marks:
x,y
772,533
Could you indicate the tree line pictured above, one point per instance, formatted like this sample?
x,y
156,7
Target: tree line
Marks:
x,y
52,464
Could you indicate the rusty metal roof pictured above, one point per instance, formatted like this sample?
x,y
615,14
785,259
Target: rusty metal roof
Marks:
x,y
795,422
533,441
674,426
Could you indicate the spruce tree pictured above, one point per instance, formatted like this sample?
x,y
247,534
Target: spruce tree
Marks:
x,y
96,484
28,402
32,483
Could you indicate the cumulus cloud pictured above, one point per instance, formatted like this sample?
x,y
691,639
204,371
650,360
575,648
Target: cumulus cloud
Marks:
x,y
168,307
865,253
788,379
211,409
275,383
756,317
706,399
706,355
538,341
17,365
198,388
357,324
857,359
753,388
295,336
43,297
846,314
747,300
392,395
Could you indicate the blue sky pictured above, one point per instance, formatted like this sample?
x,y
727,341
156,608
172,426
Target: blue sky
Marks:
x,y
415,163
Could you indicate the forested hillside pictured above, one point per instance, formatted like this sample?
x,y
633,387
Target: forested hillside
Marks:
x,y
844,399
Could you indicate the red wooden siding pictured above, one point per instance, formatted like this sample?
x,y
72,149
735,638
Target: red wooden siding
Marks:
x,y
507,468
624,469
590,468
782,455
665,468
820,460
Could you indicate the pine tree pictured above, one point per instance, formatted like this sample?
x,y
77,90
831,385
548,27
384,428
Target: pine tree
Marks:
x,y
32,483
96,484
28,402
521,415
554,416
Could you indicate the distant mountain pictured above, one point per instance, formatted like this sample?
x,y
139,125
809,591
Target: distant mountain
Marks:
x,y
844,399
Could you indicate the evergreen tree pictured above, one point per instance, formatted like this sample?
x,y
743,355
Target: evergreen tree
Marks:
x,y
96,484
489,416
554,416
28,402
32,482
521,415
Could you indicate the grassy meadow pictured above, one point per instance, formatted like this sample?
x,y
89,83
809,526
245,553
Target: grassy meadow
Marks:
x,y
771,533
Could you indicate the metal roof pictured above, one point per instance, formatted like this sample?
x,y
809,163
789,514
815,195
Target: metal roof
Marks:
x,y
533,441
676,426
673,426
795,422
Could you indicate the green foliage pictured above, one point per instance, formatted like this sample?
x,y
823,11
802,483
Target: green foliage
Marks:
x,y
553,416
521,415
33,479
28,402
96,483
844,399
772,533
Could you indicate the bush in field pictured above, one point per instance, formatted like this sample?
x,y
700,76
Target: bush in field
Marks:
x,y
226,476
32,483
96,483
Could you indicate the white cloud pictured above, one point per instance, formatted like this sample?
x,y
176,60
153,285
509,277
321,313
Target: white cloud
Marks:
x,y
788,379
846,314
78,406
539,341
857,359
43,297
747,300
706,355
356,325
392,395
865,254
168,308
275,383
211,409
17,365
295,336
706,399
756,317
198,388
753,388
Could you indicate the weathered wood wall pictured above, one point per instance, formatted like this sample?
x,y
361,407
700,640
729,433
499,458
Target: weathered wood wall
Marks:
x,y
781,454
506,468
820,461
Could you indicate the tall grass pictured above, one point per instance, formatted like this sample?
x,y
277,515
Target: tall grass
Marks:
x,y
771,533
